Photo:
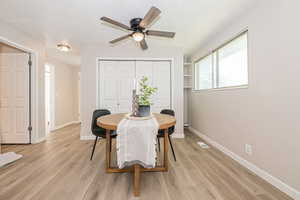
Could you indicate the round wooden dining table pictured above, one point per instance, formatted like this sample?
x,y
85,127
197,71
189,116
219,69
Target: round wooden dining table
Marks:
x,y
110,122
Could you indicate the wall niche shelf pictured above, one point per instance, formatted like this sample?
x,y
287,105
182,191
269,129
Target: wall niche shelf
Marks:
x,y
187,75
187,87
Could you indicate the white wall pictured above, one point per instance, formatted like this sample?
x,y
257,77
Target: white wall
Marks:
x,y
18,37
126,50
66,93
267,114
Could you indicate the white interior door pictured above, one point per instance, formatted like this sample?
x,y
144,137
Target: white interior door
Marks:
x,y
126,74
159,75
162,80
14,98
108,86
144,68
116,84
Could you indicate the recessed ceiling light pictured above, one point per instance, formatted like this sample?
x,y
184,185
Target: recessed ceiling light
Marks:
x,y
63,47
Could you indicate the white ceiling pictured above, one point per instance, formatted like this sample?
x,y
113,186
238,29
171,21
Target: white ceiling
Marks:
x,y
77,21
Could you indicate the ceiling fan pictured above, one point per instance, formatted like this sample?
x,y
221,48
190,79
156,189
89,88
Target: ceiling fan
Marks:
x,y
138,27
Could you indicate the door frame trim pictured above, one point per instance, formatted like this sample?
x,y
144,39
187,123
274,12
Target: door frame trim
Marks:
x,y
98,59
34,86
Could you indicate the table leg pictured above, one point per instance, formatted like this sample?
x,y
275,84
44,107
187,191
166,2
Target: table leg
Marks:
x,y
107,149
136,180
166,132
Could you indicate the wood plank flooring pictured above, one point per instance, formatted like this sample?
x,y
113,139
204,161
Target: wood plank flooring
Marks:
x,y
60,169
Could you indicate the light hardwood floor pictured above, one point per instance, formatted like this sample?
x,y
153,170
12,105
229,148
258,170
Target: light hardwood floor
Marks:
x,y
60,169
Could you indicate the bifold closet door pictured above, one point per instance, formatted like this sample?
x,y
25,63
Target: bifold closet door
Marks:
x,y
162,80
126,71
116,84
14,97
159,74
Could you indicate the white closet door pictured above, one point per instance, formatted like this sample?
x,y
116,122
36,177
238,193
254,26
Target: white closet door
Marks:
x,y
159,74
109,86
116,84
162,80
144,68
14,98
126,73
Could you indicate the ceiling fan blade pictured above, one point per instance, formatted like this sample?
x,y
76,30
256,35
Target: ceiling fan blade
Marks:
x,y
151,15
143,44
161,33
120,38
111,21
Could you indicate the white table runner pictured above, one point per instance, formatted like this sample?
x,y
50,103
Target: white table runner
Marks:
x,y
136,140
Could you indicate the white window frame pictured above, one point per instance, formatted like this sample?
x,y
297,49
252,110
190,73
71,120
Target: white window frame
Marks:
x,y
215,76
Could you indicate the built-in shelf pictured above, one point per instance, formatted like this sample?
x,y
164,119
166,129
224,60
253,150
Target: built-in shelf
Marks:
x,y
188,87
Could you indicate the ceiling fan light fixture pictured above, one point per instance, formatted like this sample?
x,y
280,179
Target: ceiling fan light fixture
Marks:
x,y
138,36
139,28
63,47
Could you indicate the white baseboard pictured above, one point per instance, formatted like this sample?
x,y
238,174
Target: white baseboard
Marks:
x,y
292,192
39,140
64,125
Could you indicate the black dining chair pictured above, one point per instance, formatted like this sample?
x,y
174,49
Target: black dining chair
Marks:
x,y
171,130
98,131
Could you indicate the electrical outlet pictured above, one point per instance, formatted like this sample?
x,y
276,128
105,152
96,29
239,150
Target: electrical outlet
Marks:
x,y
248,149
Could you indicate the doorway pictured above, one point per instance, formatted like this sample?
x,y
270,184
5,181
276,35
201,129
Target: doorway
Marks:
x,y
49,100
62,95
15,91
79,94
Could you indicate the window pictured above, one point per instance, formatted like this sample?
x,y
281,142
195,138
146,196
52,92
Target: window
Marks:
x,y
204,70
226,66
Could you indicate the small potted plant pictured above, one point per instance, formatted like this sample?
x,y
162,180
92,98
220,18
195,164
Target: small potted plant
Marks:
x,y
145,93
